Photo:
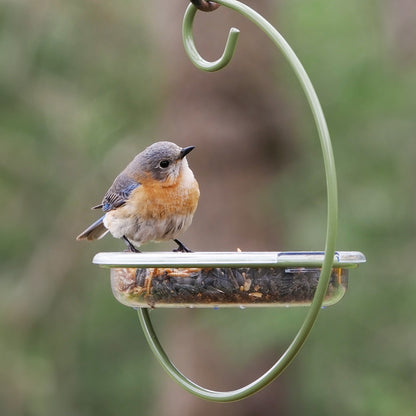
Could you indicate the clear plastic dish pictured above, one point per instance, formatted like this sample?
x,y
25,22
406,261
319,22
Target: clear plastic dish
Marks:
x,y
224,279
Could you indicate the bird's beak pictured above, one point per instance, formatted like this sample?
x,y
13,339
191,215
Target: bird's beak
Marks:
x,y
185,151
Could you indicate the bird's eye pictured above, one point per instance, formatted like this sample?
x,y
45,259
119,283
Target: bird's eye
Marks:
x,y
164,164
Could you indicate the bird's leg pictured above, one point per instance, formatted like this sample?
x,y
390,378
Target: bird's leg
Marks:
x,y
181,247
129,245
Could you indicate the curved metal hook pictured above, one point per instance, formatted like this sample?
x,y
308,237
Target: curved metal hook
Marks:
x,y
192,52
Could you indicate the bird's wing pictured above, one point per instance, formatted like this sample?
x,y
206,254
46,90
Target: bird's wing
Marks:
x,y
118,193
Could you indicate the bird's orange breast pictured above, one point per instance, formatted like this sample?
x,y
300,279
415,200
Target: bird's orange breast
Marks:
x,y
152,200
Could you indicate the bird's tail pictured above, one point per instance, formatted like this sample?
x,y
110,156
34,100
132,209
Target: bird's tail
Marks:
x,y
94,231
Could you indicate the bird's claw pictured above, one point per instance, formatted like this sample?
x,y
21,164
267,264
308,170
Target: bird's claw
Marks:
x,y
129,245
181,247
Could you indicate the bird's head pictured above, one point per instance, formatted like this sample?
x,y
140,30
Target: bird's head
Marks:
x,y
161,161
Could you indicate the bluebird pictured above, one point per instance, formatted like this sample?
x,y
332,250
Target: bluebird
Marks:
x,y
153,199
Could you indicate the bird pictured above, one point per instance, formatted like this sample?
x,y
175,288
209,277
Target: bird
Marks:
x,y
153,199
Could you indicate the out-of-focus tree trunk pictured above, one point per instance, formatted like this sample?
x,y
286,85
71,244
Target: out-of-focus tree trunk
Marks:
x,y
400,23
241,129
234,117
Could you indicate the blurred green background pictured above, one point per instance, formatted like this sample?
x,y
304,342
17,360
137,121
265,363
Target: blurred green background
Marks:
x,y
82,89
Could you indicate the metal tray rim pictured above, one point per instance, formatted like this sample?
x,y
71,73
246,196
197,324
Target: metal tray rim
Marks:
x,y
343,259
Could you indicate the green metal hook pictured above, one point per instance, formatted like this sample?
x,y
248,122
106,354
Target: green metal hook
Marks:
x,y
193,54
332,206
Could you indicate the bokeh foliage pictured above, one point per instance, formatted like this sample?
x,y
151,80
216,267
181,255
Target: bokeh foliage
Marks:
x,y
80,91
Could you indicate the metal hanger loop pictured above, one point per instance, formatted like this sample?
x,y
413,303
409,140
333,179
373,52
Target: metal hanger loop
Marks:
x,y
193,53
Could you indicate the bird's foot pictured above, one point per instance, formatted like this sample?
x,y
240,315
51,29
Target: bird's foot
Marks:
x,y
181,247
129,245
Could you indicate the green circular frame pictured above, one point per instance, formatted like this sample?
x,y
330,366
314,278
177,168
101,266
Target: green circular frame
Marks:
x,y
332,206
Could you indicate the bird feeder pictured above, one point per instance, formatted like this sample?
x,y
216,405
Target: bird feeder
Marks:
x,y
238,279
224,279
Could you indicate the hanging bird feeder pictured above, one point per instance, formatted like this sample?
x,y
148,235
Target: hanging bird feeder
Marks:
x,y
225,279
238,279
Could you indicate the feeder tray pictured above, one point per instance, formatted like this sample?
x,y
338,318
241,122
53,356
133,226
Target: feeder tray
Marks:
x,y
224,279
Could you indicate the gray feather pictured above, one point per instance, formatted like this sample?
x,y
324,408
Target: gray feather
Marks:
x,y
118,193
95,231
